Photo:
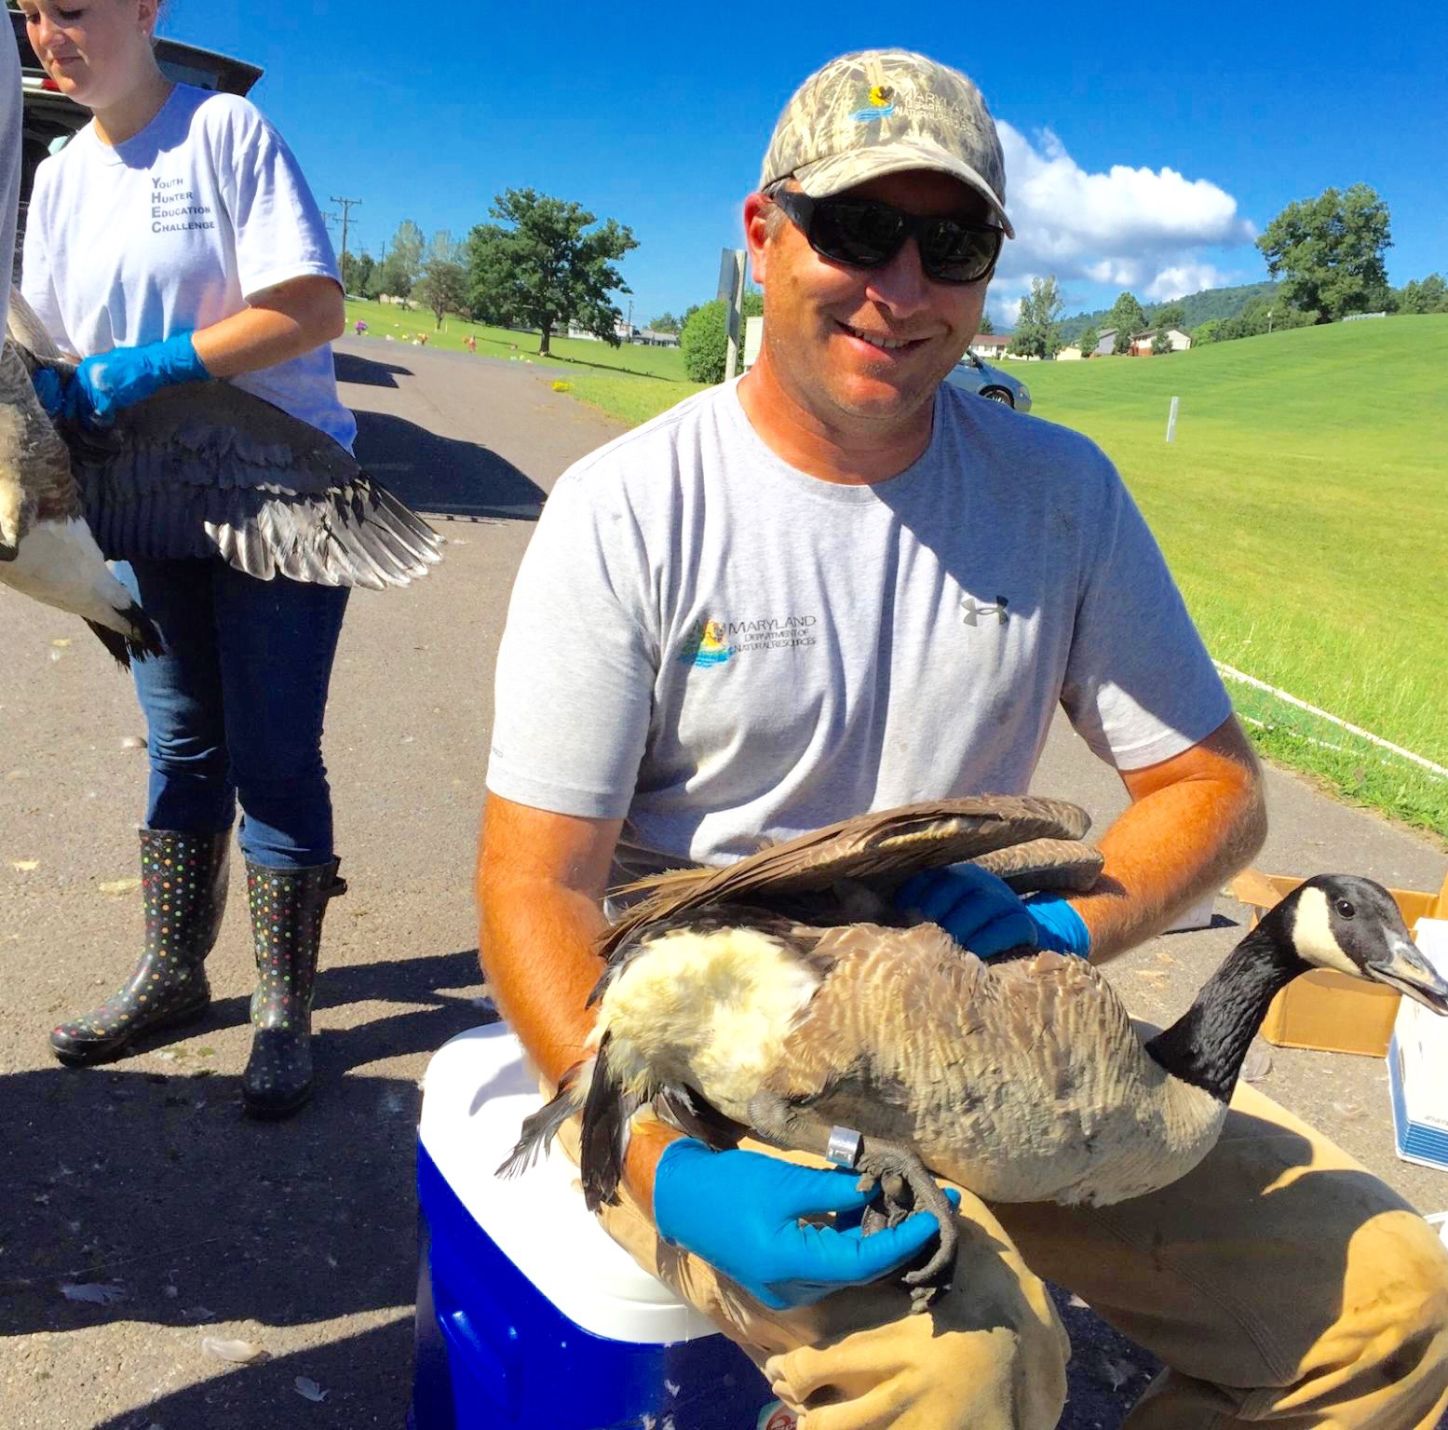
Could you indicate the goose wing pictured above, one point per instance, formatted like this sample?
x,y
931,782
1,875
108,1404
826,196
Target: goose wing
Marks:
x,y
26,329
1008,1078
211,469
1017,836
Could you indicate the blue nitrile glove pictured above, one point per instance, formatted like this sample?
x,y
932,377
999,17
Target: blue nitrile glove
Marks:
x,y
107,382
983,913
740,1211
49,387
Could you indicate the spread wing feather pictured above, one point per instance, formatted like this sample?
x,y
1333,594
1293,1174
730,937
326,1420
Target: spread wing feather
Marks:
x,y
206,469
880,850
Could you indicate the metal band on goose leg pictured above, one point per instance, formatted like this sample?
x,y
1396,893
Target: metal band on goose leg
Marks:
x,y
183,891
905,1183
287,906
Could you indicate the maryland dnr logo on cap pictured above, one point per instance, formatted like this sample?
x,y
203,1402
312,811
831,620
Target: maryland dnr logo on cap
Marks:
x,y
774,1416
879,102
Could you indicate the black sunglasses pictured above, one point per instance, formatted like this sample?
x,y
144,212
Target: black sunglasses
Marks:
x,y
866,234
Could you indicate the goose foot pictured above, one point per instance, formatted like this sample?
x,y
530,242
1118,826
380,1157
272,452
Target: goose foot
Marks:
x,y
906,1187
905,1184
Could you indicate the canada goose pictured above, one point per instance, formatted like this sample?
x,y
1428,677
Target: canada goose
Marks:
x,y
210,469
893,1050
47,550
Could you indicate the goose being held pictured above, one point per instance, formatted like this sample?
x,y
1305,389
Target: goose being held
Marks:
x,y
209,469
735,1007
47,550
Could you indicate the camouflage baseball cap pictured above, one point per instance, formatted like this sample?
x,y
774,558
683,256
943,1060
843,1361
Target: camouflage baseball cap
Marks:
x,y
880,112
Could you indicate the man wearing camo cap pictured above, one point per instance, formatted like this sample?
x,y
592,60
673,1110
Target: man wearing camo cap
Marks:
x,y
839,585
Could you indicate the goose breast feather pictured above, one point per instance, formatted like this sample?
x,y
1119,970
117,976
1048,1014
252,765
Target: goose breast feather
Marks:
x,y
1012,1079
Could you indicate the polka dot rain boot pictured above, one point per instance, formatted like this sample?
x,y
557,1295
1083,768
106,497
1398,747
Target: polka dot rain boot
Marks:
x,y
286,921
183,890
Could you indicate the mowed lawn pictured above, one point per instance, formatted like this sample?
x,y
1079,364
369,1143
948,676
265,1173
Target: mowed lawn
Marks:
x,y
1303,504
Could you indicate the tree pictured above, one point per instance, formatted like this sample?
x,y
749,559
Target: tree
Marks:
x,y
1428,296
1038,328
1170,315
1329,252
1160,343
1128,318
403,262
546,272
705,337
357,270
1088,340
986,326
666,323
444,283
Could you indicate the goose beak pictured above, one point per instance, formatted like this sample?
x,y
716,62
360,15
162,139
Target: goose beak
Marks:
x,y
1405,969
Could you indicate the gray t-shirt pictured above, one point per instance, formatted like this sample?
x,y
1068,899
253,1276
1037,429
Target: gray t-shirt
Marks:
x,y
723,650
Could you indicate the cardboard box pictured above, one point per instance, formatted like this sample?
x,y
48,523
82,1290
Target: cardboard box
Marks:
x,y
1332,1012
1418,1065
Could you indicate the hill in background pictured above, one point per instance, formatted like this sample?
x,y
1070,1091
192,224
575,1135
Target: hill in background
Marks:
x,y
1210,303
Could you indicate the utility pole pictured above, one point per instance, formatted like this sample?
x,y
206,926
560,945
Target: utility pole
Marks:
x,y
347,207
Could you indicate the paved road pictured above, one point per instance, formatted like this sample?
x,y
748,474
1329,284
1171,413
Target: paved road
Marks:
x,y
144,1177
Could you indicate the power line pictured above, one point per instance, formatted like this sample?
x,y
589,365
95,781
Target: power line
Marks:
x,y
347,207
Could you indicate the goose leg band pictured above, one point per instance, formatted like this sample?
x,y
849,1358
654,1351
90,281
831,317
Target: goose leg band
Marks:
x,y
843,1146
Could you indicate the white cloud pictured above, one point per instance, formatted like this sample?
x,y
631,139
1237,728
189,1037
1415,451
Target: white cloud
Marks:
x,y
1184,278
1008,310
1135,228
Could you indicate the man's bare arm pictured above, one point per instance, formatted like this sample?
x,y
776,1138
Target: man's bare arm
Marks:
x,y
1193,821
541,881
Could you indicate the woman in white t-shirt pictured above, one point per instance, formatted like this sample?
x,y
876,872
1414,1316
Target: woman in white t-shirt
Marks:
x,y
175,240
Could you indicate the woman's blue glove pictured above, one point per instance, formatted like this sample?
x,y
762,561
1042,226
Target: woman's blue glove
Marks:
x,y
983,913
106,383
740,1211
49,387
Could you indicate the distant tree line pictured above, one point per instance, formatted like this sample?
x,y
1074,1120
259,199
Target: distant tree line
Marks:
x,y
1326,259
548,264
544,264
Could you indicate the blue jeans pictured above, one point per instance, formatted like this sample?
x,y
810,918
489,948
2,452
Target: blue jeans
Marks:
x,y
234,706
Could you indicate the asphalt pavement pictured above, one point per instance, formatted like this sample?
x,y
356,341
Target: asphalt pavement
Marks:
x,y
139,1186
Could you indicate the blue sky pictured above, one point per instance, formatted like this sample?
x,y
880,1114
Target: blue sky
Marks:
x,y
1141,154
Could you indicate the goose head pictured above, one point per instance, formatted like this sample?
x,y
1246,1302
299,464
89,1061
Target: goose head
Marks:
x,y
1352,925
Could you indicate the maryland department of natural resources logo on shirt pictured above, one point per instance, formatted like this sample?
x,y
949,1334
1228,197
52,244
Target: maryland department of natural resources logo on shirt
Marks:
x,y
712,641
706,644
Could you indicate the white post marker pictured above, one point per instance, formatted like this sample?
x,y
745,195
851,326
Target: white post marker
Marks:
x,y
1171,419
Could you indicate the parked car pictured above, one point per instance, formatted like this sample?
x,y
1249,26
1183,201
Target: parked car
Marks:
x,y
51,118
990,382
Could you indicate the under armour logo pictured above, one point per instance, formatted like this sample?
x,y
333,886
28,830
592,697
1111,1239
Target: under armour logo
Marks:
x,y
971,610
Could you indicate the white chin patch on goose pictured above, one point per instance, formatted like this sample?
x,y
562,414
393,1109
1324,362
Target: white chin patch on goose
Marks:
x,y
1313,937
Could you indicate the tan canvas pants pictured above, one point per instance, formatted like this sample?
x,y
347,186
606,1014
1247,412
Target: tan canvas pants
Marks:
x,y
1279,1282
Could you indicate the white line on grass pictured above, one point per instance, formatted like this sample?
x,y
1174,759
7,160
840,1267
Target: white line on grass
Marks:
x,y
1337,720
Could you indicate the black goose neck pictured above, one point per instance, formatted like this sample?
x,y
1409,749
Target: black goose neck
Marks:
x,y
1208,1043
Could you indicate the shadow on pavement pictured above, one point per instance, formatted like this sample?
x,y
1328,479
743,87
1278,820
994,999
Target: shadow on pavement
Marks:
x,y
366,371
359,1376
155,1185
610,367
441,475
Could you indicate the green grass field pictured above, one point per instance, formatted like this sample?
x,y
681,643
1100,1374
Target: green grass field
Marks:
x,y
1303,507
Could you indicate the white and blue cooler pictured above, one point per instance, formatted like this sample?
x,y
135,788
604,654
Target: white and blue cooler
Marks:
x,y
528,1314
